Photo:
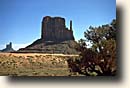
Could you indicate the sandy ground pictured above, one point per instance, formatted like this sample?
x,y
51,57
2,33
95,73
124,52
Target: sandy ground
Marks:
x,y
34,64
33,54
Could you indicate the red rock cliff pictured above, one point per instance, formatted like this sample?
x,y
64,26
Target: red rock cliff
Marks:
x,y
54,29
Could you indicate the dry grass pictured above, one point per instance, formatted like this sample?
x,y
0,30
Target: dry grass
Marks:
x,y
34,54
34,64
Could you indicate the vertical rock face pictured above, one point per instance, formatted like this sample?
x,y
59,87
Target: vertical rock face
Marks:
x,y
54,29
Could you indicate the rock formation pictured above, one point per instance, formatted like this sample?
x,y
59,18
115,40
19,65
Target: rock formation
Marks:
x,y
8,48
54,29
55,37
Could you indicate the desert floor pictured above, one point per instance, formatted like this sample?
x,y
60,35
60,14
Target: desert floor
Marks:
x,y
35,64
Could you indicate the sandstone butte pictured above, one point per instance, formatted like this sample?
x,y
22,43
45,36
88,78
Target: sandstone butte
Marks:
x,y
55,38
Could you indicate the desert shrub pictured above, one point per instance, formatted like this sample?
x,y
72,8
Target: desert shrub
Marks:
x,y
100,58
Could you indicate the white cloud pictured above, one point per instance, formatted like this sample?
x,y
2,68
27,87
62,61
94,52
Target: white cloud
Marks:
x,y
17,46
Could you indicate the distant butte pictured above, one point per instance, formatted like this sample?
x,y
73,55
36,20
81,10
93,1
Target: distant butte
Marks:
x,y
8,48
55,38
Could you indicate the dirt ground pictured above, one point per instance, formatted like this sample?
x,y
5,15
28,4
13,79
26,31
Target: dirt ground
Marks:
x,y
35,64
33,54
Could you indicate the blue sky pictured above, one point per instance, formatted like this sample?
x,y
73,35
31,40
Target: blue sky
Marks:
x,y
20,20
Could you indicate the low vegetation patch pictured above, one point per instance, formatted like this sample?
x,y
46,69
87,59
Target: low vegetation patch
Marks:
x,y
34,65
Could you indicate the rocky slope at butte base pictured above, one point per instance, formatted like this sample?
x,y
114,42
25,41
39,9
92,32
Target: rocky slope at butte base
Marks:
x,y
65,47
